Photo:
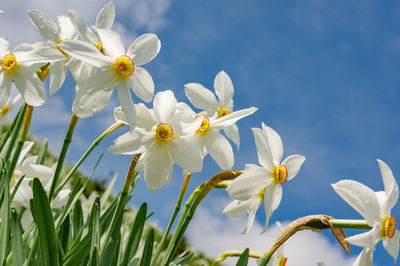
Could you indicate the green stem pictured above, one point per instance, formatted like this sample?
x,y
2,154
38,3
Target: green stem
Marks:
x,y
352,224
24,132
173,217
61,158
86,154
16,122
121,203
236,253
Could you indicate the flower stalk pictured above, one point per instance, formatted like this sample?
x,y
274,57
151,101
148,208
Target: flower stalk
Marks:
x,y
236,253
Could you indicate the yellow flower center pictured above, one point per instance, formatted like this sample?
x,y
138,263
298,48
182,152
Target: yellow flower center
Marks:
x,y
389,226
9,64
4,110
164,133
280,174
59,49
99,47
124,65
223,112
205,126
282,261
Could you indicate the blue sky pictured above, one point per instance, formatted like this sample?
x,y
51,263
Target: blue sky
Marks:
x,y
323,74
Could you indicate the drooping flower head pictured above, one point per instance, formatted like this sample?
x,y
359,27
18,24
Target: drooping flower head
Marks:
x,y
376,208
263,183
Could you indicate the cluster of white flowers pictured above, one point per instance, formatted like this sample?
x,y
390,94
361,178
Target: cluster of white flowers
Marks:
x,y
170,132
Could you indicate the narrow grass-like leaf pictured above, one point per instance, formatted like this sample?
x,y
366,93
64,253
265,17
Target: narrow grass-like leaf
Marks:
x,y
5,220
16,187
43,152
182,259
64,234
135,235
244,258
45,225
95,257
148,249
113,247
94,226
107,193
16,240
77,219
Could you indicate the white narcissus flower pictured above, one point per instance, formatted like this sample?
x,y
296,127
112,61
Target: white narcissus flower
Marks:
x,y
87,204
375,207
158,136
204,99
208,139
119,69
8,107
263,183
15,67
55,34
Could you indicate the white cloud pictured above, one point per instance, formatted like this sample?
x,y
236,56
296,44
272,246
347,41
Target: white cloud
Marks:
x,y
214,233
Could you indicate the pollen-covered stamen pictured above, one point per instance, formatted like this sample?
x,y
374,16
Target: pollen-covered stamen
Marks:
x,y
4,110
282,261
280,174
99,47
389,226
205,126
9,63
59,49
164,133
223,112
125,65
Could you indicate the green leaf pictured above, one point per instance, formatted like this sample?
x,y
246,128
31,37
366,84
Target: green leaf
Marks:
x,y
5,221
43,152
244,258
16,240
148,249
64,235
16,187
45,225
94,226
135,235
111,252
77,219
95,257
107,193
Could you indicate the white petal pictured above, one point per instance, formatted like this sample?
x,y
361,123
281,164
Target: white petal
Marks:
x,y
293,164
81,71
26,218
251,182
276,198
268,202
125,100
25,149
4,47
263,149
86,52
391,187
144,49
30,87
30,171
240,208
201,97
5,89
105,17
57,75
157,165
61,199
44,25
164,106
275,143
220,149
392,245
67,29
231,118
365,258
142,84
94,94
144,117
197,141
232,133
223,88
128,143
28,55
85,32
368,239
112,44
186,155
361,198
